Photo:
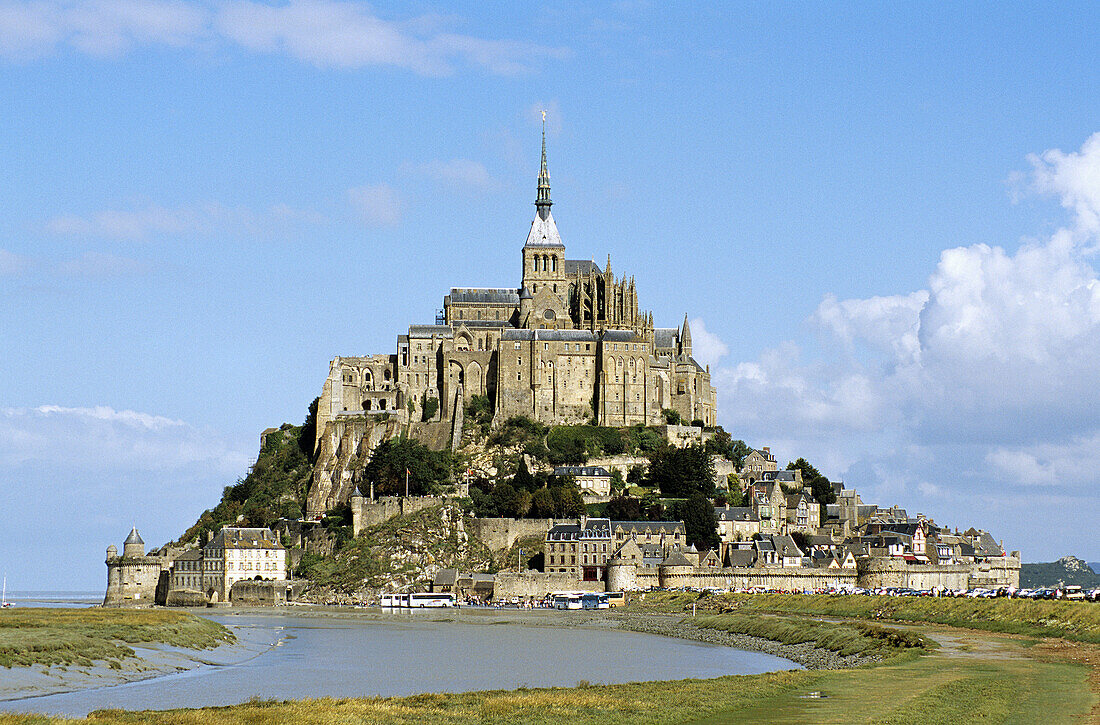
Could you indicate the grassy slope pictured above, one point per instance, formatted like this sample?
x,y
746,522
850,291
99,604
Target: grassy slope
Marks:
x,y
80,636
1077,621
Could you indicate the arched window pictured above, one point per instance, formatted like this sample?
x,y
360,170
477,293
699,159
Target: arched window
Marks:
x,y
536,263
554,264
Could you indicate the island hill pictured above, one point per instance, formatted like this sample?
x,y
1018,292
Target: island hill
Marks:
x,y
536,438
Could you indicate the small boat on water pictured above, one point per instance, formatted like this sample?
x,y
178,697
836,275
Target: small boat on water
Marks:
x,y
4,603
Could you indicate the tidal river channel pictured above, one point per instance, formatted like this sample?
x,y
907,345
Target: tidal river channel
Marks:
x,y
301,655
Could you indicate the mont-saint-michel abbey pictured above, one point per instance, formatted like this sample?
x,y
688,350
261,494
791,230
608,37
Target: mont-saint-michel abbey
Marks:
x,y
570,344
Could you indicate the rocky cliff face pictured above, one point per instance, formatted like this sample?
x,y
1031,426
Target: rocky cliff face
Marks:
x,y
344,447
401,554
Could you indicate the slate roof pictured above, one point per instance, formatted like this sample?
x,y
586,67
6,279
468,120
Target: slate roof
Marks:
x,y
486,295
735,513
190,555
429,330
544,233
653,527
231,537
134,537
583,265
665,337
620,336
742,557
593,529
785,546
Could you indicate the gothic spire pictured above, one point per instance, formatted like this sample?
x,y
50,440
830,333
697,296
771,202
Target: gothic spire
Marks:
x,y
685,338
542,201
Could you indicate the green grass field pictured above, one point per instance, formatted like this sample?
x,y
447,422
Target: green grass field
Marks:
x,y
1076,621
81,636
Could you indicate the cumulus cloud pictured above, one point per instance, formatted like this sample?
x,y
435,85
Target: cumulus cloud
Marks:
x,y
155,220
706,347
325,33
985,380
1075,178
377,205
459,174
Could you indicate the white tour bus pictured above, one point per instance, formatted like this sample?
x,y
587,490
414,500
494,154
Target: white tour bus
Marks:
x,y
430,599
566,600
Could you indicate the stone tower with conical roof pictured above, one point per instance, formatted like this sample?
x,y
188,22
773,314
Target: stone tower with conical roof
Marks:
x,y
135,579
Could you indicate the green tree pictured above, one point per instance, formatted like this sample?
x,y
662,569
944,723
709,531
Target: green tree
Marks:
x,y
672,417
523,480
740,449
543,505
431,405
506,500
809,473
821,487
721,444
307,437
700,522
428,470
568,502
625,508
678,472
617,482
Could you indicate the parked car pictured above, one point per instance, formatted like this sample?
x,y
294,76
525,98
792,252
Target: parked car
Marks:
x,y
1074,593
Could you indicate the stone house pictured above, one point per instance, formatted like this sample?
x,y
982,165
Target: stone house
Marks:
x,y
755,463
591,479
236,554
736,523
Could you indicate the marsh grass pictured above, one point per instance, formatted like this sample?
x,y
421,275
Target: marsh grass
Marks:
x,y
1077,621
83,636
845,638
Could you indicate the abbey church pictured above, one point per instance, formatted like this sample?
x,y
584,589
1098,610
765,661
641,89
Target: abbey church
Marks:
x,y
569,344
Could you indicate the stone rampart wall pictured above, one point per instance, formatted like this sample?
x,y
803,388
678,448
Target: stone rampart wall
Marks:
x,y
264,593
366,513
537,584
882,571
637,578
500,534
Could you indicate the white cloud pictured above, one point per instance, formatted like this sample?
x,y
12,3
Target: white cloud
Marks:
x,y
79,477
97,27
706,347
1075,177
984,381
377,204
460,174
104,439
325,33
155,220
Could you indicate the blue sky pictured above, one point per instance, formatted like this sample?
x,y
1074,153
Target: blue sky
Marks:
x,y
882,220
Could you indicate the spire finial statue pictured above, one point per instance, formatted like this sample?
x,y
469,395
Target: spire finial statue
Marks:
x,y
542,201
